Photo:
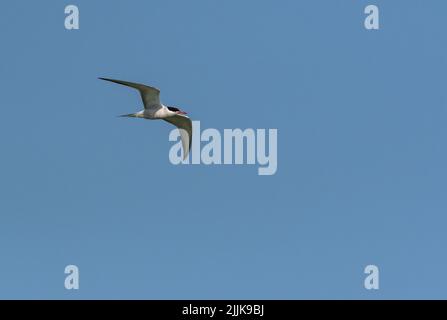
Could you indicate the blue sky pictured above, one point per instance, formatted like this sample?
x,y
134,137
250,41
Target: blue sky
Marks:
x,y
361,150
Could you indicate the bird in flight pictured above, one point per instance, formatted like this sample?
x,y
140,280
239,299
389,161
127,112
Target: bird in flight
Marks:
x,y
154,109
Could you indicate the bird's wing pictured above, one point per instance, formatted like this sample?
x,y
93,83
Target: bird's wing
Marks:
x,y
184,124
149,95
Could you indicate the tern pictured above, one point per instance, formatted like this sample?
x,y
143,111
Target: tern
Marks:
x,y
154,110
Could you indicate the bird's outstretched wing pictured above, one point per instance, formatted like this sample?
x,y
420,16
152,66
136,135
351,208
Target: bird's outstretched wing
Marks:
x,y
184,124
149,95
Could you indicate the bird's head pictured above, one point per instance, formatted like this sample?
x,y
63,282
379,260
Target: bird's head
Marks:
x,y
176,110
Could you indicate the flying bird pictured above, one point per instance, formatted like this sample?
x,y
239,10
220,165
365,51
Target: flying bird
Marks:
x,y
154,109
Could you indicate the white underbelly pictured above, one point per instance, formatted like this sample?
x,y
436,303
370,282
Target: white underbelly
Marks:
x,y
155,114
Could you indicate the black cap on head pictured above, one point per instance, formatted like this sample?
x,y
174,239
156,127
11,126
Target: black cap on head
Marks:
x,y
173,109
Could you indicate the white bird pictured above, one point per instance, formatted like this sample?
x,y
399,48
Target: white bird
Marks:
x,y
154,109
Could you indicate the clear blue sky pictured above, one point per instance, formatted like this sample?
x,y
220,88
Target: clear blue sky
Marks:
x,y
361,119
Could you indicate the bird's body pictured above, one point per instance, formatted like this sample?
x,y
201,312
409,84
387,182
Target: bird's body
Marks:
x,y
161,112
154,110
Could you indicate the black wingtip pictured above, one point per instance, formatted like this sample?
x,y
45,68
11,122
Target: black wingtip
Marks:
x,y
106,79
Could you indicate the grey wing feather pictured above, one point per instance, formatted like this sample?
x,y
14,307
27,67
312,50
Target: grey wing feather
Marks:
x,y
149,95
184,125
